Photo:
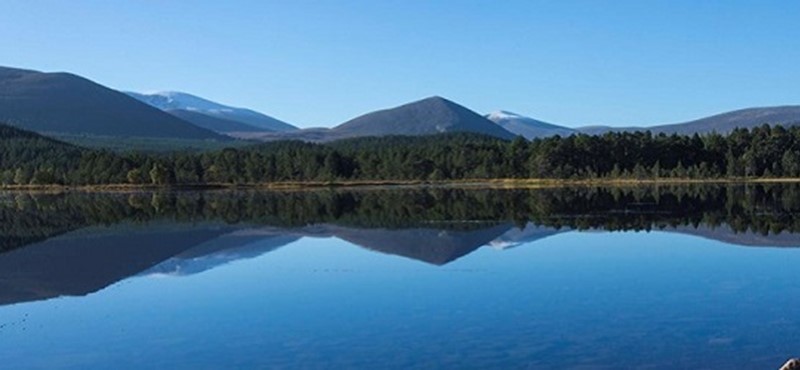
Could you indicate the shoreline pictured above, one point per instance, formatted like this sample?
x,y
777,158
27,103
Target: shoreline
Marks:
x,y
389,184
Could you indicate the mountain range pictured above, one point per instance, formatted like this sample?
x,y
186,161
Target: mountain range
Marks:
x,y
67,104
722,123
425,117
212,115
439,115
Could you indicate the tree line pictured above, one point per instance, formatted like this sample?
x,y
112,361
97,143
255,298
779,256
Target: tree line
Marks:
x,y
766,151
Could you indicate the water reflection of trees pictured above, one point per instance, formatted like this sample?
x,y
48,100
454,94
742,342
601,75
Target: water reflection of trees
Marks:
x,y
764,208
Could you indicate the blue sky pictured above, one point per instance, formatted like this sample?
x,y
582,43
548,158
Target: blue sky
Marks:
x,y
318,63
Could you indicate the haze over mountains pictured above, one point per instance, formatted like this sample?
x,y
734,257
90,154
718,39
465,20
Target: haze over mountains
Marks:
x,y
64,103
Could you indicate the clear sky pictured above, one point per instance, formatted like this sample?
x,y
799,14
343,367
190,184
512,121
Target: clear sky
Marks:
x,y
318,63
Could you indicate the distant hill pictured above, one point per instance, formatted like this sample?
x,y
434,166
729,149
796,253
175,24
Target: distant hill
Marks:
x,y
527,127
213,123
721,123
424,117
172,100
66,103
429,116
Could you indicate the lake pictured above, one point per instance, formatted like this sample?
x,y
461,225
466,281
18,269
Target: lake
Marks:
x,y
669,277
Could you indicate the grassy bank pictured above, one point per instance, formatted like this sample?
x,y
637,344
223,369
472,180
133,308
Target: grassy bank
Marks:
x,y
489,183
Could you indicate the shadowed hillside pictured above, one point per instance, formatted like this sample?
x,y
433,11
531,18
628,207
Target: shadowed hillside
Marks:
x,y
66,103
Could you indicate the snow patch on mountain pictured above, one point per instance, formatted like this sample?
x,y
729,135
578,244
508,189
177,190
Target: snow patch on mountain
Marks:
x,y
175,100
178,100
503,115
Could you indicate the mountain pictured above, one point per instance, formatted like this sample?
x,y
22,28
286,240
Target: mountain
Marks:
x,y
68,104
172,100
212,123
429,116
744,118
527,127
425,117
721,123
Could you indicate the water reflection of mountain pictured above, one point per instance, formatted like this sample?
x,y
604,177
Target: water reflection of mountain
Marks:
x,y
725,234
240,244
88,260
530,233
434,246
76,244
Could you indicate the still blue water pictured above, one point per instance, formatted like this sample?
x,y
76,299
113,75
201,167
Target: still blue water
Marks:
x,y
570,300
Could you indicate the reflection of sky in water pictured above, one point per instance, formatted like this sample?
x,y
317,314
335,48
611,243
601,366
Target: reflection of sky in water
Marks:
x,y
588,300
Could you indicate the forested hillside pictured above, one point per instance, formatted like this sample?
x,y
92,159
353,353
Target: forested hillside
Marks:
x,y
762,152
29,158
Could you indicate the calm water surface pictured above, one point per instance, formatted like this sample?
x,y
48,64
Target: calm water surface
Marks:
x,y
679,278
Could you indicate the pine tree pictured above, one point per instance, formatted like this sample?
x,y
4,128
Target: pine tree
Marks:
x,y
656,170
159,175
791,163
135,176
22,176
